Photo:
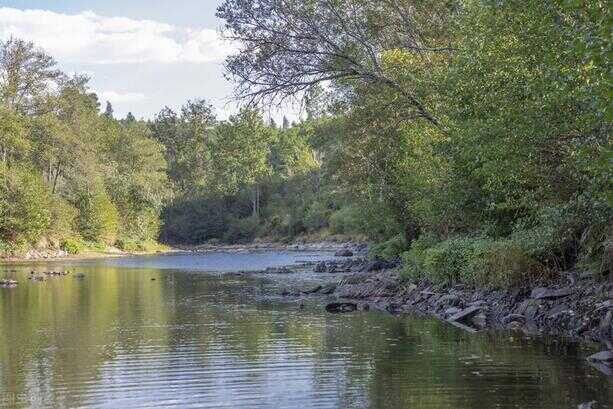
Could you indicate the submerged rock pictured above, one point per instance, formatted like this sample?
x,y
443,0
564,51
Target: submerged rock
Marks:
x,y
321,267
344,253
340,307
7,283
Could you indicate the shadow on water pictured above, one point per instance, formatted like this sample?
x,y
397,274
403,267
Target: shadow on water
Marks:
x,y
118,338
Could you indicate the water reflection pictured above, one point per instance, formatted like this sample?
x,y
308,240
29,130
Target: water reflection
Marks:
x,y
117,338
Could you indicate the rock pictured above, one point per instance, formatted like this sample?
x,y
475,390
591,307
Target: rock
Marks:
x,y
480,320
341,307
321,267
450,300
152,278
344,253
541,293
605,305
311,289
587,405
328,289
7,282
602,357
452,311
377,265
513,318
605,323
79,275
465,314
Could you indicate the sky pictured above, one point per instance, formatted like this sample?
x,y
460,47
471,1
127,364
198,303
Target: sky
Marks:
x,y
141,55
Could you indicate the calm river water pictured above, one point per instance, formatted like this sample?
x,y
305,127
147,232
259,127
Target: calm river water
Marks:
x,y
191,338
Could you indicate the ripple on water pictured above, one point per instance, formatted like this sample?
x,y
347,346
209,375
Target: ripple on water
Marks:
x,y
118,339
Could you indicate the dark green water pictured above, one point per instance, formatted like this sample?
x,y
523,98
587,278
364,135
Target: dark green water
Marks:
x,y
191,339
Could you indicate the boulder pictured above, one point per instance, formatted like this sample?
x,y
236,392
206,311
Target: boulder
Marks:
x,y
542,293
378,265
513,318
602,357
450,300
311,289
328,289
465,314
321,267
341,307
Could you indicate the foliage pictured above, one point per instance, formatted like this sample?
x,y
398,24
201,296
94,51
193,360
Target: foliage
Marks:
x,y
389,249
72,245
98,217
24,214
241,230
65,162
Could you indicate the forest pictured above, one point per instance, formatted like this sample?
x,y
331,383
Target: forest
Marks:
x,y
469,138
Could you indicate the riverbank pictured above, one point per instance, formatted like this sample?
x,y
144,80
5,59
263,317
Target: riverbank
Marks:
x,y
61,255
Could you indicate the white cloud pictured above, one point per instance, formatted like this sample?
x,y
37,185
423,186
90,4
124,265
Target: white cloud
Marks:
x,y
88,38
118,97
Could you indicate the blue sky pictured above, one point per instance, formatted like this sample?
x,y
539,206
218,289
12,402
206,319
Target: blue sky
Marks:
x,y
140,55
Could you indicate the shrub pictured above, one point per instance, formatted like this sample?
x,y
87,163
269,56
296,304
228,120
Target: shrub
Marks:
x,y
413,260
389,249
72,245
127,244
24,206
476,261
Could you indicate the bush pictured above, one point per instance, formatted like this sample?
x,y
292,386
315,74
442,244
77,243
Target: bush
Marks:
x,y
134,245
72,245
127,245
414,260
24,206
562,235
389,249
476,261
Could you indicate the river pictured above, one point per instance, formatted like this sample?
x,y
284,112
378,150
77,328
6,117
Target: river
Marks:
x,y
175,330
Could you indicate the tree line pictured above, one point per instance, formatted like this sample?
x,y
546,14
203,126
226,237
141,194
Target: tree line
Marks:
x,y
474,135
470,138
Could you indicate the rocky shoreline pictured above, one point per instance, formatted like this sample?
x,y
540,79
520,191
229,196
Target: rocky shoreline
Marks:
x,y
574,306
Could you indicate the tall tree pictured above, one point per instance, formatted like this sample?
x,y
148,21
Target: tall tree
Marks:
x,y
290,46
25,73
